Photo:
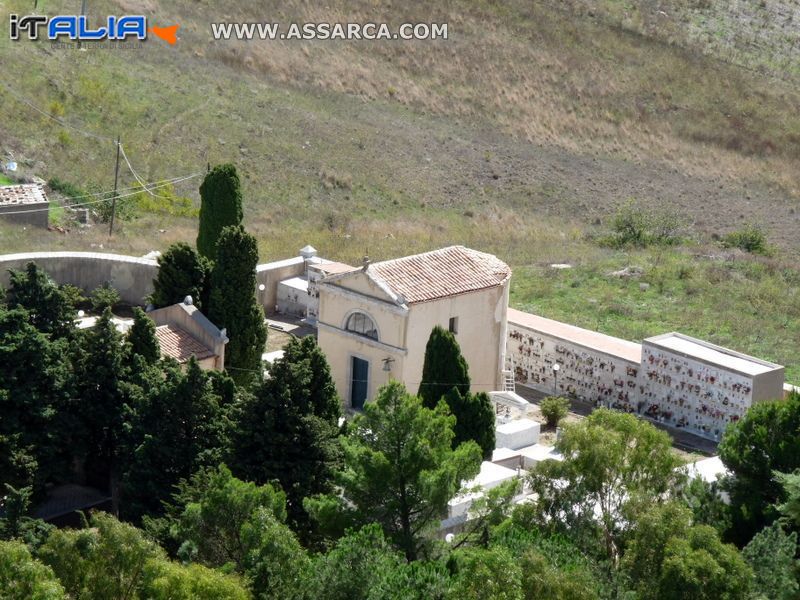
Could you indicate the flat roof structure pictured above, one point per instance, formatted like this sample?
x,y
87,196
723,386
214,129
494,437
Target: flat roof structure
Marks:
x,y
592,340
297,283
712,354
21,195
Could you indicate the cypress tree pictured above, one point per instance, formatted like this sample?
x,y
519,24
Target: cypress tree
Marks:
x,y
233,303
48,308
444,368
181,272
474,415
221,206
142,337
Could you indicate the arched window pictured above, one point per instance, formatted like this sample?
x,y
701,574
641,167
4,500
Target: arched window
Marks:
x,y
362,324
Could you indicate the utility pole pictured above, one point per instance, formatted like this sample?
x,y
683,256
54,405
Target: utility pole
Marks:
x,y
114,201
83,12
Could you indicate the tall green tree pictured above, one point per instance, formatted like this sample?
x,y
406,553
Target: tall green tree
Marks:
x,y
221,206
771,555
49,309
485,574
668,557
400,470
444,368
700,567
181,272
613,464
288,429
474,415
142,337
111,560
177,428
765,440
222,521
34,386
22,577
103,392
233,303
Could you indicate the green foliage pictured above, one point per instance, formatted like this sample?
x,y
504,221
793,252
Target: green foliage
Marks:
x,y
34,386
104,562
66,188
708,507
699,566
750,238
288,429
485,574
668,557
444,368
15,524
635,226
354,566
142,337
221,521
771,555
554,408
22,577
614,463
233,303
102,391
790,508
221,207
165,202
49,308
177,428
164,580
181,272
400,469
113,560
104,296
765,440
474,415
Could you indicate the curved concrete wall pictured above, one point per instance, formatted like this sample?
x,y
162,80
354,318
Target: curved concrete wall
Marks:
x,y
131,276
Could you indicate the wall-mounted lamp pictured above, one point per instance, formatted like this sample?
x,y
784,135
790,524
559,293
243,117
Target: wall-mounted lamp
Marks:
x,y
387,364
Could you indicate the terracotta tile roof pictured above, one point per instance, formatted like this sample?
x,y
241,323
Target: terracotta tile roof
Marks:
x,y
178,344
19,195
440,273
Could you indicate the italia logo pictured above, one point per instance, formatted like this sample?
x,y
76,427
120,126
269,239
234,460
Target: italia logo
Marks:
x,y
76,27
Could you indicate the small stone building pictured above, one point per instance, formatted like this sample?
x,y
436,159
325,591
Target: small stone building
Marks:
x,y
183,331
25,204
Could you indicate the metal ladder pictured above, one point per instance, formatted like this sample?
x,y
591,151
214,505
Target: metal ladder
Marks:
x,y
509,383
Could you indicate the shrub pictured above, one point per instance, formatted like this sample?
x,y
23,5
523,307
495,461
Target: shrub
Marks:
x,y
633,225
104,297
750,239
554,409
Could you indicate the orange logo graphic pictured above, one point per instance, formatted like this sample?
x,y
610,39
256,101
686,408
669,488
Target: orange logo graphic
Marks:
x,y
168,34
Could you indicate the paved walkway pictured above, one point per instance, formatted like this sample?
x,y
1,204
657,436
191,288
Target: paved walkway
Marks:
x,y
682,439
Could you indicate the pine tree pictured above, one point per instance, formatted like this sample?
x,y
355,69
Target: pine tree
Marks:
x,y
221,206
233,303
142,337
181,272
444,368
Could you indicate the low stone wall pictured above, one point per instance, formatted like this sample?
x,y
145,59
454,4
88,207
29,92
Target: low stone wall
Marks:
x,y
131,276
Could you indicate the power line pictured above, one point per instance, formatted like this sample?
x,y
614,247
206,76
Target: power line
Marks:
x,y
164,184
136,175
61,122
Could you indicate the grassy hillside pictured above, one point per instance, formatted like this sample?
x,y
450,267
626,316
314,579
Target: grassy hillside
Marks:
x,y
519,135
